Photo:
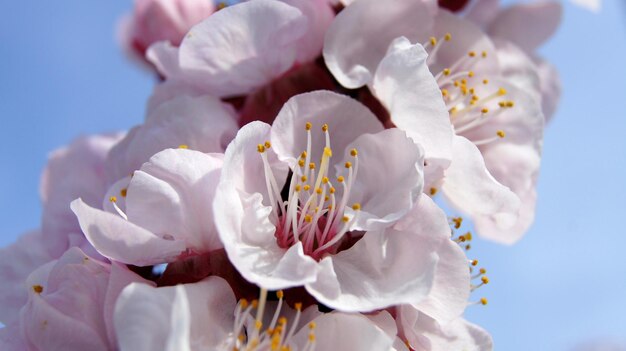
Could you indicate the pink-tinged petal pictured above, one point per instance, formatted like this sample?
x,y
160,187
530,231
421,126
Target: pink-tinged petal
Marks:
x,y
164,56
349,332
242,47
473,190
482,12
11,339
201,123
64,309
516,166
405,86
451,286
465,37
121,277
172,196
389,178
382,269
123,241
459,335
148,318
517,68
17,261
319,14
359,36
347,119
550,86
73,171
527,25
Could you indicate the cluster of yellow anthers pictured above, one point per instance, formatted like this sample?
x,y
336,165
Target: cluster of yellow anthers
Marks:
x,y
312,213
277,336
467,109
463,240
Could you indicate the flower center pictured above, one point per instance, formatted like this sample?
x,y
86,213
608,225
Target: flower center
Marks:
x,y
277,336
459,85
312,212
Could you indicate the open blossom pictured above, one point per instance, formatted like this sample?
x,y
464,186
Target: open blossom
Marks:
x,y
481,115
320,213
160,214
70,305
205,316
242,47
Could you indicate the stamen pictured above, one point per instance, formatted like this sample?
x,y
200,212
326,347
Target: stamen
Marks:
x,y
119,211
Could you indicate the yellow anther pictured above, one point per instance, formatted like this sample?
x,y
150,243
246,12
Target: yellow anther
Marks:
x,y
312,165
474,263
501,91
457,222
325,180
483,271
345,219
312,325
303,179
470,74
483,301
326,198
501,133
255,304
354,152
332,190
307,187
484,54
318,191
471,53
258,325
243,303
463,81
433,191
330,207
474,97
123,192
502,104
113,199
348,164
324,127
452,112
301,163
221,5
328,152
282,321
280,294
303,155
433,41
298,188
311,337
444,92
468,247
472,92
468,236
340,179
456,83
308,218
484,110
260,148
268,145
446,72
356,206
485,81
183,146
38,288
298,306
308,126
510,104
447,37
484,279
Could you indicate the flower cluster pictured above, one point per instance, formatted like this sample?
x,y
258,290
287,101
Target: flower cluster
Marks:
x,y
283,191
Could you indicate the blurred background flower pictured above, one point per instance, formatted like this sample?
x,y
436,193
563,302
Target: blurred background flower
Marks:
x,y
64,74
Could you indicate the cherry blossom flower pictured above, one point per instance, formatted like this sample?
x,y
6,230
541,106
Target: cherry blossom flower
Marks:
x,y
242,47
159,20
179,316
297,222
70,305
160,214
481,111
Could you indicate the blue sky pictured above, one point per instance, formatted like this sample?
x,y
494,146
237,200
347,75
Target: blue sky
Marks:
x,y
62,75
